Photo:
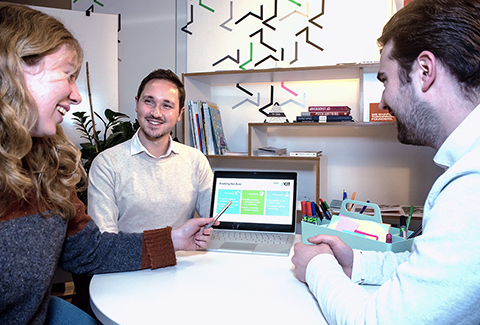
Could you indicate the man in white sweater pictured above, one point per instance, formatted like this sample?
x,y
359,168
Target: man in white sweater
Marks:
x,y
150,181
430,68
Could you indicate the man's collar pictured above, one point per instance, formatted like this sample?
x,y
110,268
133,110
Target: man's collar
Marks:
x,y
460,141
137,147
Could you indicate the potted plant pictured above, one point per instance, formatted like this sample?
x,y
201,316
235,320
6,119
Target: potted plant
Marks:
x,y
116,131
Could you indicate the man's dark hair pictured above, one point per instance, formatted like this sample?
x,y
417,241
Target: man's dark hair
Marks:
x,y
450,29
168,75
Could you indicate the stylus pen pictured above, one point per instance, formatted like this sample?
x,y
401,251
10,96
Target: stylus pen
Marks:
x,y
218,215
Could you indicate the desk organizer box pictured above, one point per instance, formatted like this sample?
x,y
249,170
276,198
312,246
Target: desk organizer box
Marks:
x,y
398,243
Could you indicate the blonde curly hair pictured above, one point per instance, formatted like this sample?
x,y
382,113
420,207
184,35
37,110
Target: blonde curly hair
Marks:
x,y
42,170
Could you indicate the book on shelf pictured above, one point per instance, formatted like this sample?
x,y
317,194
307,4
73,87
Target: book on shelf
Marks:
x,y
235,153
217,126
323,119
196,126
207,125
206,128
326,113
379,115
305,153
270,151
331,108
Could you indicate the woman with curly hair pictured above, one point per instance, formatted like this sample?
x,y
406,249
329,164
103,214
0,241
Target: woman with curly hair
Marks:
x,y
42,222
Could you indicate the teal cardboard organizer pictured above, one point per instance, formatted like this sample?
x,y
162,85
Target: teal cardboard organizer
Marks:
x,y
398,244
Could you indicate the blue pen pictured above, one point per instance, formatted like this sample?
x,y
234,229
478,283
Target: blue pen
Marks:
x,y
344,195
364,207
314,213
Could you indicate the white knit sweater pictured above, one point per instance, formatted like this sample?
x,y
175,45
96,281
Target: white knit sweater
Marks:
x,y
131,191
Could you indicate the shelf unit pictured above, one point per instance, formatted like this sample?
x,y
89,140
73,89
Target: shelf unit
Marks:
x,y
360,156
202,85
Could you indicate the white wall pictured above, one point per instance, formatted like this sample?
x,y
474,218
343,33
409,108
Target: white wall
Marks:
x,y
147,41
97,34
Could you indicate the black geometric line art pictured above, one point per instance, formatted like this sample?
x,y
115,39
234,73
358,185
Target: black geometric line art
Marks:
x,y
265,59
184,28
297,12
231,17
261,39
282,57
246,100
244,90
89,10
307,38
237,60
319,15
296,54
252,14
265,22
262,109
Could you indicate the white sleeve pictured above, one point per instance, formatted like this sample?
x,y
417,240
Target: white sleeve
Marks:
x,y
437,283
102,207
370,267
205,183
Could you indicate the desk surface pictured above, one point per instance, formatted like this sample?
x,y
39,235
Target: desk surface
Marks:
x,y
207,288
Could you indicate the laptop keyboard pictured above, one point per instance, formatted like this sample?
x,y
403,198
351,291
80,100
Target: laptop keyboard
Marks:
x,y
250,237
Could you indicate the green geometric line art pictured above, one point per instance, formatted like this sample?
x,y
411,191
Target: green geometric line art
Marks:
x,y
75,1
295,3
251,58
204,6
98,3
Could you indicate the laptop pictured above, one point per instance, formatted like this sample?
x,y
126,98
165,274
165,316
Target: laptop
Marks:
x,y
261,216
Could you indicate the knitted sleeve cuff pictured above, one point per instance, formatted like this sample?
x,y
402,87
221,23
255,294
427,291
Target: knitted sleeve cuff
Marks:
x,y
157,250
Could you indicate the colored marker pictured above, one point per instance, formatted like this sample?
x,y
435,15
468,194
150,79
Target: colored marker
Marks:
x,y
403,227
344,195
409,217
329,211
314,212
416,233
304,211
324,209
403,232
388,240
308,208
319,214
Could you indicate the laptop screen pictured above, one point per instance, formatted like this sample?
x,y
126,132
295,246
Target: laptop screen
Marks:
x,y
262,201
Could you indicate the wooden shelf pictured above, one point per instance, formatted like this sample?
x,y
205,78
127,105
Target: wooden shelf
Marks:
x,y
310,171
258,133
280,74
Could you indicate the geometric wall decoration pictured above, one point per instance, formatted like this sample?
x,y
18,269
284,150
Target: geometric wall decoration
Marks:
x,y
243,34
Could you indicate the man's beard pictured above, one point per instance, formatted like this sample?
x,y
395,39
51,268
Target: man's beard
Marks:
x,y
419,124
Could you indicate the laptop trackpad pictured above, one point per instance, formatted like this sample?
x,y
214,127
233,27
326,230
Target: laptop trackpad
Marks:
x,y
238,246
